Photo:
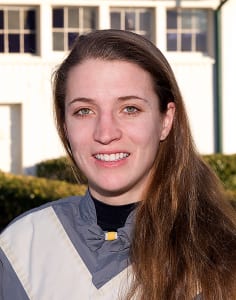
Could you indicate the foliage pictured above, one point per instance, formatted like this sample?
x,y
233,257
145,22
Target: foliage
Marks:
x,y
225,168
21,193
58,168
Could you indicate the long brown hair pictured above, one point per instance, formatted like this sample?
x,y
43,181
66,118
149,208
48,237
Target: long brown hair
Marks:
x,y
184,239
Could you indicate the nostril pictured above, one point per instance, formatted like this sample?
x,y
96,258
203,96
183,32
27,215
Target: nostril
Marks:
x,y
106,133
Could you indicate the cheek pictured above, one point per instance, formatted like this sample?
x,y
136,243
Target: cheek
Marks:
x,y
75,136
147,133
77,128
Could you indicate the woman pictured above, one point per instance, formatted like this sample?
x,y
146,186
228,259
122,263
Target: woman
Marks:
x,y
154,224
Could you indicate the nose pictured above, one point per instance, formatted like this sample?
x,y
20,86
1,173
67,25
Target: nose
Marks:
x,y
107,129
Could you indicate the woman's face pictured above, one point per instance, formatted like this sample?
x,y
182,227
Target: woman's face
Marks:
x,y
114,127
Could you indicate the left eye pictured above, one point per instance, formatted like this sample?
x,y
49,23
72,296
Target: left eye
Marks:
x,y
131,109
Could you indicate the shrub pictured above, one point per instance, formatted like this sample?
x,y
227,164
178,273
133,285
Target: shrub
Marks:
x,y
21,193
58,168
225,168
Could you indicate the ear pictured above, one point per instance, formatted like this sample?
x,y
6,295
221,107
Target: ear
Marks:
x,y
167,120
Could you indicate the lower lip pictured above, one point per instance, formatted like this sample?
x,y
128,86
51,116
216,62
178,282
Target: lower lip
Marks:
x,y
109,164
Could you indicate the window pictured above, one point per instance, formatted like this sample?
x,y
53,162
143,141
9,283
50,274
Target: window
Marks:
x,y
187,30
138,20
17,29
68,22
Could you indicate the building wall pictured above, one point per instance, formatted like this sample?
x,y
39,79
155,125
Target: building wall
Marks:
x,y
228,76
26,86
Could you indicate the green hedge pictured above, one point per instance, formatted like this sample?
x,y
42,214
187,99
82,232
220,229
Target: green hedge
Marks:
x,y
21,193
58,168
225,168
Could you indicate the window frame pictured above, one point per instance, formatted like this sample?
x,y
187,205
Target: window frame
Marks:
x,y
137,10
21,31
193,31
65,29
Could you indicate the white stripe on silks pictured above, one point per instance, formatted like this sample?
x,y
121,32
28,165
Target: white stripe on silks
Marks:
x,y
44,258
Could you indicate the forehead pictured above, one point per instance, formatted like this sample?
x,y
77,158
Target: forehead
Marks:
x,y
96,74
91,65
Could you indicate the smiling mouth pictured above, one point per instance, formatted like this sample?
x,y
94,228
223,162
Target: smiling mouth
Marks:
x,y
111,157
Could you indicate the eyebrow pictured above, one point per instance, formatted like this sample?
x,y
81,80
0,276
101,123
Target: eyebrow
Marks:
x,y
80,99
130,97
122,98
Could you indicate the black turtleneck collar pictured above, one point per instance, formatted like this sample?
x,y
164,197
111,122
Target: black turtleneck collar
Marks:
x,y
112,217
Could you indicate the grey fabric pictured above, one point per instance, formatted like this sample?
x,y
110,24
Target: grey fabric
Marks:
x,y
10,286
104,259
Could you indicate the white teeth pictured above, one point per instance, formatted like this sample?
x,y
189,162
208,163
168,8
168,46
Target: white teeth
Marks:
x,y
111,157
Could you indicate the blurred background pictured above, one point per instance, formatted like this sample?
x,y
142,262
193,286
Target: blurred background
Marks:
x,y
195,36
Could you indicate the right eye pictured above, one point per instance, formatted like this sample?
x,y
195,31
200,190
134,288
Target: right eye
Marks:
x,y
83,112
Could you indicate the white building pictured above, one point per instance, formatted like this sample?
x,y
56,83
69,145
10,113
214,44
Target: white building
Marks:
x,y
196,36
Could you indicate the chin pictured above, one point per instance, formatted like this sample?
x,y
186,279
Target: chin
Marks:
x,y
109,190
